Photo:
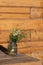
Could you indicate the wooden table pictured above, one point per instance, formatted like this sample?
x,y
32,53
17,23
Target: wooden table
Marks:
x,y
20,59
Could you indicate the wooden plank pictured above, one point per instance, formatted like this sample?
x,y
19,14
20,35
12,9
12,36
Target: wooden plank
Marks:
x,y
20,2
21,24
30,50
14,16
14,10
33,44
4,36
36,35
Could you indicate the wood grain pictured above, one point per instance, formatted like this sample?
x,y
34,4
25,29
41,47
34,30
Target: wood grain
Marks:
x,y
21,3
21,24
20,59
24,15
15,9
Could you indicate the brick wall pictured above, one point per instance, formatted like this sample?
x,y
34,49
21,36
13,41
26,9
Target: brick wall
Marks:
x,y
25,15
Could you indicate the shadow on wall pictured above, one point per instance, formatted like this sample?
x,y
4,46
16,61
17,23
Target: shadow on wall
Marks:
x,y
3,49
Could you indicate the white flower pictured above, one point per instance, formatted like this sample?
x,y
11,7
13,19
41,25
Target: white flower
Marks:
x,y
17,32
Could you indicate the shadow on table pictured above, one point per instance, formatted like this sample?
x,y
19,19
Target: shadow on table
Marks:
x,y
20,58
3,49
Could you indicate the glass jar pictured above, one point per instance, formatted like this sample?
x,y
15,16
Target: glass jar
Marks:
x,y
12,48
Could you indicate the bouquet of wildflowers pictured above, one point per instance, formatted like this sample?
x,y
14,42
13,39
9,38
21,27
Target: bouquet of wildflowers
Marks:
x,y
16,35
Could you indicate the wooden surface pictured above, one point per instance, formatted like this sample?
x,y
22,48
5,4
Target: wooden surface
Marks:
x,y
25,15
21,3
18,59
